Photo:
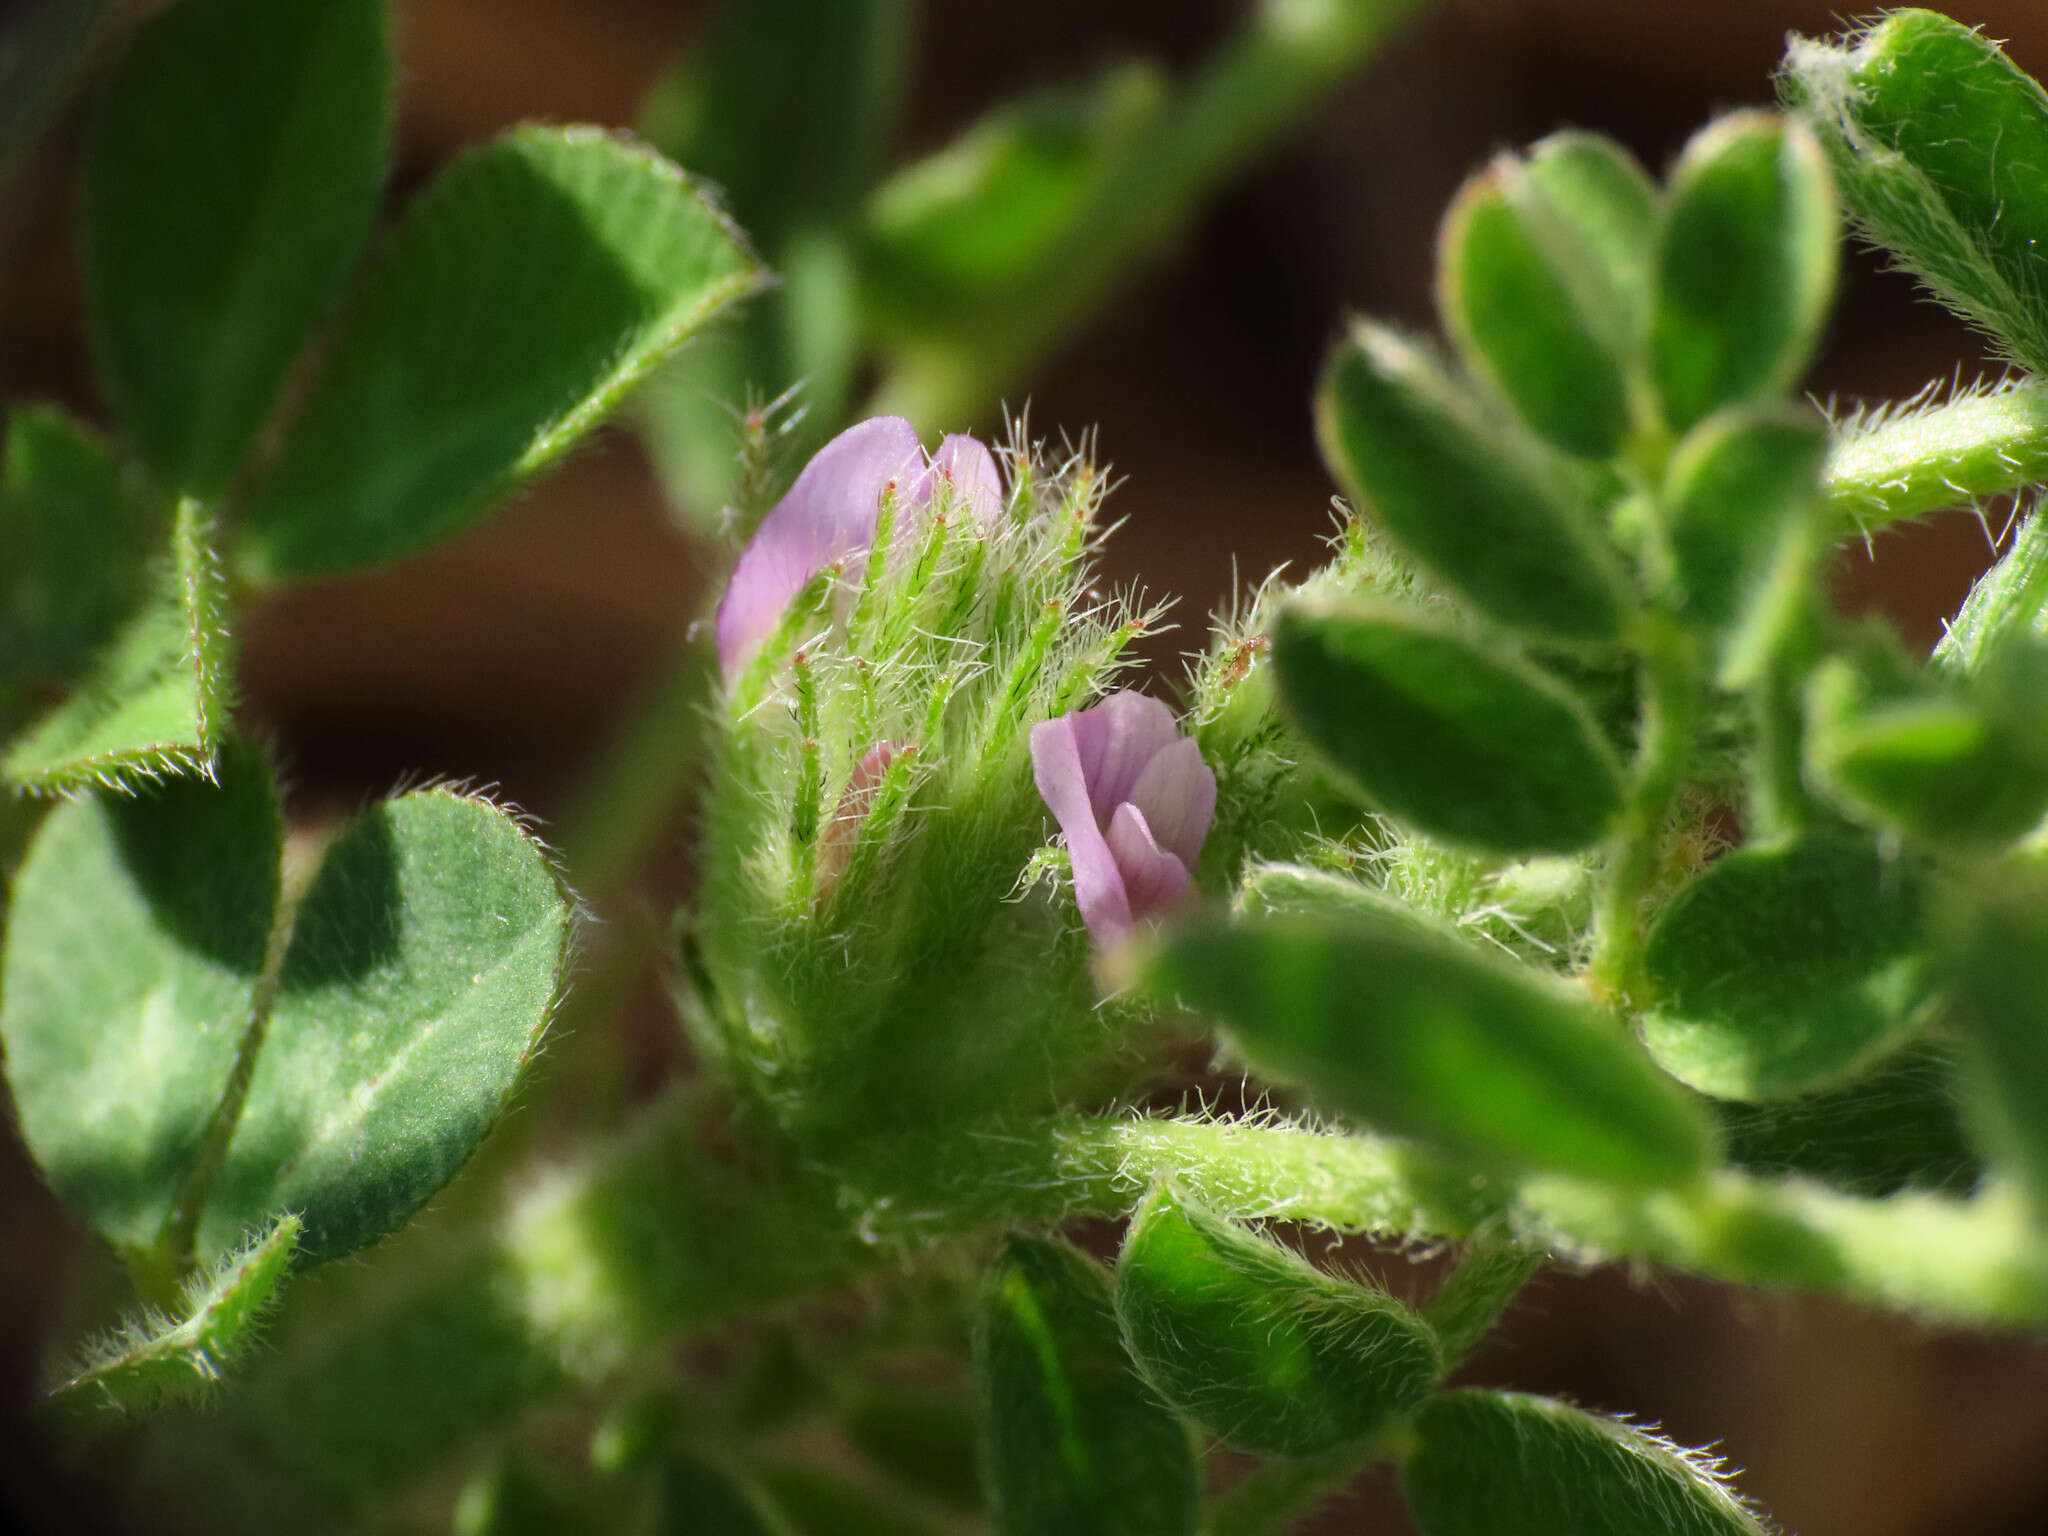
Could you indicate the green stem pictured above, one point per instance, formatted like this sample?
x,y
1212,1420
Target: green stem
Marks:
x,y
1945,456
1272,1496
600,1265
1670,705
1287,57
1780,805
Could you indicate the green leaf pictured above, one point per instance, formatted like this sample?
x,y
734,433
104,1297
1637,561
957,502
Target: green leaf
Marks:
x,y
134,944
1742,496
1502,1464
1255,1345
1938,141
1073,1443
2009,600
949,236
1994,959
422,965
155,699
796,181
1895,1127
1746,269
527,289
74,538
1520,298
1787,969
1474,748
1507,531
814,1502
154,1361
1608,206
1421,1037
1964,766
232,171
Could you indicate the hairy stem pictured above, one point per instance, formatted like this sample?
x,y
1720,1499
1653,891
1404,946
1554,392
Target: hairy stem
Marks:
x,y
1485,1283
1945,456
1670,704
1286,58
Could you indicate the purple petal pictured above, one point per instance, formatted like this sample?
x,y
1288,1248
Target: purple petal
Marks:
x,y
1116,740
1098,883
967,462
828,515
1177,795
1153,879
835,842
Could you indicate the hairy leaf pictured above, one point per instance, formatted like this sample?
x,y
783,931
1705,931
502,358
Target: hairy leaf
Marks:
x,y
74,539
1746,268
1475,748
1784,970
1939,142
155,698
1254,1344
422,964
154,1361
527,289
233,168
134,944
1502,1464
1419,1036
1072,1440
1505,530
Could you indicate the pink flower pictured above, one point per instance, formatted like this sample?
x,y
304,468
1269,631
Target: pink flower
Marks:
x,y
1135,800
830,514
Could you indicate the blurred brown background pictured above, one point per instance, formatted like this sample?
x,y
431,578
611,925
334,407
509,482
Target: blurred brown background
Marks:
x,y
510,656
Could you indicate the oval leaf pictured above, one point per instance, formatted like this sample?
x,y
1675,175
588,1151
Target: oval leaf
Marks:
x,y
1785,970
1473,748
1499,528
1419,1036
134,944
1501,1464
421,968
1516,296
1072,1440
233,169
527,289
1938,140
1609,206
1256,1346
1743,510
1746,268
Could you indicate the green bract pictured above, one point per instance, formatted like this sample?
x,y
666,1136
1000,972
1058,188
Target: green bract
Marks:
x,y
1501,1464
1072,1440
1255,1345
1471,746
1419,1036
1746,268
1781,970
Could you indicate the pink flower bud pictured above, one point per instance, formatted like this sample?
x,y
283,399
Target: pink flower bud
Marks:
x,y
1134,799
830,514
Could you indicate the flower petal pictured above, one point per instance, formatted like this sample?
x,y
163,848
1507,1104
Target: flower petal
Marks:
x,y
1153,879
1177,794
1098,883
827,515
967,462
1116,740
835,841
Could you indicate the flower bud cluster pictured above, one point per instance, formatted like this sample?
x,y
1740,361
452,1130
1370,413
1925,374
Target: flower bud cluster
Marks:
x,y
890,637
